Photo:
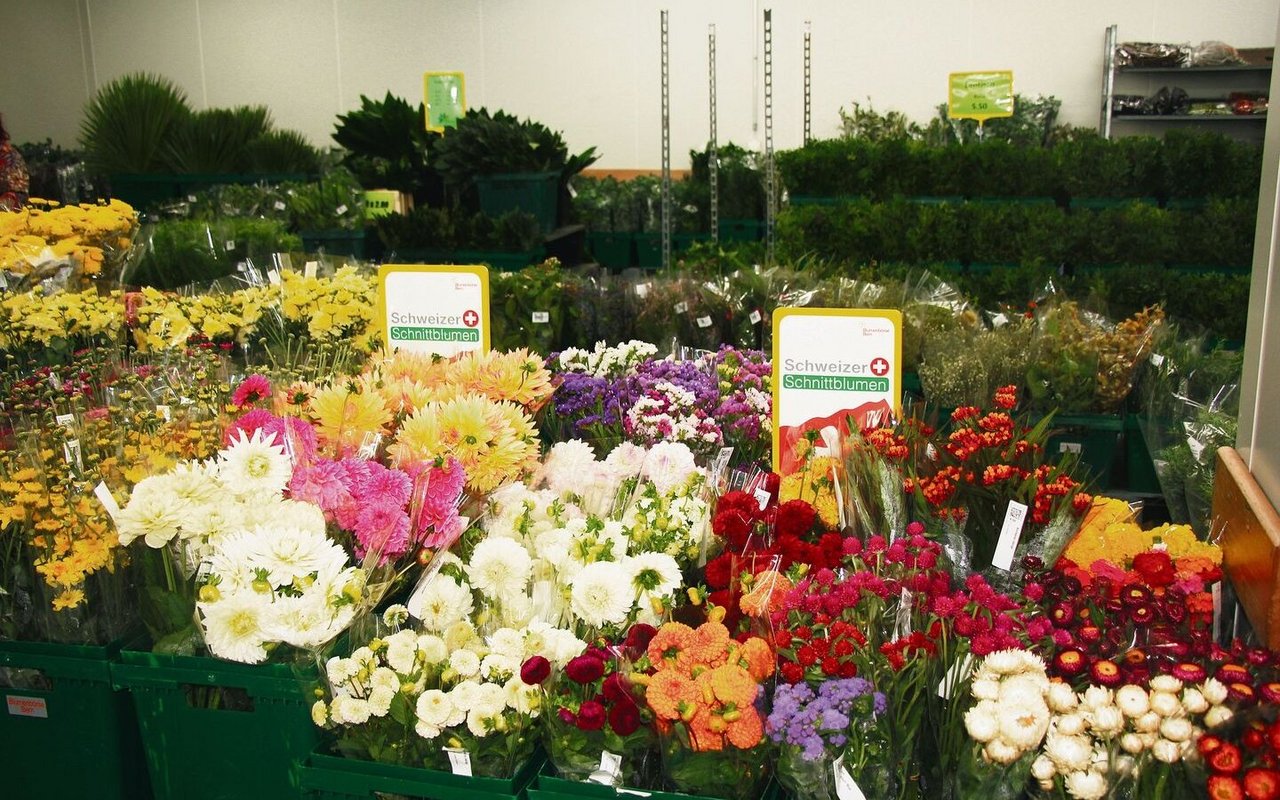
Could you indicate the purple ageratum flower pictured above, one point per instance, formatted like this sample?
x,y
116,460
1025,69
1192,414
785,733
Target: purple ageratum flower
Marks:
x,y
816,722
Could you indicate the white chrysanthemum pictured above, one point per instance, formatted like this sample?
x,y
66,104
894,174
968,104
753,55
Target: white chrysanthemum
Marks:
x,y
1165,683
1167,751
320,713
1217,716
1147,723
233,626
151,515
433,648
1024,726
1069,724
498,667
212,521
985,689
194,482
1086,785
465,694
982,721
289,553
1042,768
998,751
481,724
253,466
1133,701
425,730
567,463
464,662
1214,690
500,568
521,697
459,635
402,651
654,574
507,642
384,678
434,707
1106,721
1011,662
491,699
669,465
1023,689
441,603
626,459
1061,698
380,701
340,670
601,594
1165,704
1069,753
1177,729
306,621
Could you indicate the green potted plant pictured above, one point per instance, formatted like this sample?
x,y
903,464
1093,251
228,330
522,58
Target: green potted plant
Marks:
x,y
388,147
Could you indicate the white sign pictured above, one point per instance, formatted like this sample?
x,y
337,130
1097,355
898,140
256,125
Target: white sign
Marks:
x,y
434,309
832,366
1010,532
27,706
459,761
846,787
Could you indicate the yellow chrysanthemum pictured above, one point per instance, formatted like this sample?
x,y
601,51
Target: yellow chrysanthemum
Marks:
x,y
344,415
494,441
518,376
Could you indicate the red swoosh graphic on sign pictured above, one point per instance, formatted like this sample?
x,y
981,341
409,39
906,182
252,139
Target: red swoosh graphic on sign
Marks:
x,y
867,415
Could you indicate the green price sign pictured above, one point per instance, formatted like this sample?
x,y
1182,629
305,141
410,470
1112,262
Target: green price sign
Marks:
x,y
980,95
446,99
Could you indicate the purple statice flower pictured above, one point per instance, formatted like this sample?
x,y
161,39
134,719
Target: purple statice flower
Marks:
x,y
589,403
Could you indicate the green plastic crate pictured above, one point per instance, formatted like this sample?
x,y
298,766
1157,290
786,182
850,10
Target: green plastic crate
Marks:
x,y
614,249
550,787
253,749
741,230
1140,470
1095,438
74,737
329,777
335,242
535,193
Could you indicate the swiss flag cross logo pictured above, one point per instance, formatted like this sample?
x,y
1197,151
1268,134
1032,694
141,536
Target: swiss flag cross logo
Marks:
x,y
470,319
879,367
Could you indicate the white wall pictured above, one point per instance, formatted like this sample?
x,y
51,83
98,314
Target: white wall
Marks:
x,y
586,67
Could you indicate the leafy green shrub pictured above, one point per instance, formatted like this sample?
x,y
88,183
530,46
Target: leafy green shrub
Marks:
x,y
1219,235
454,229
130,122
182,252
283,152
388,147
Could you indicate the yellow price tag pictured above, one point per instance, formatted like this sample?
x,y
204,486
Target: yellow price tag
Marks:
x,y
980,95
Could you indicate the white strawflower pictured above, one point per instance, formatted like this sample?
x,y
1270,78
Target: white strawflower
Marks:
x,y
1069,753
441,603
985,689
1132,744
601,594
320,713
1106,721
982,721
253,466
1097,696
1069,724
500,568
999,751
1167,751
1165,704
434,708
233,626
1177,729
1042,768
1217,716
1148,722
465,663
1193,701
1132,701
1215,691
1012,662
1061,698
1090,785
1165,683
1024,726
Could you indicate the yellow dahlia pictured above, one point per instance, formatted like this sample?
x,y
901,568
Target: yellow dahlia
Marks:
x,y
494,441
518,376
344,414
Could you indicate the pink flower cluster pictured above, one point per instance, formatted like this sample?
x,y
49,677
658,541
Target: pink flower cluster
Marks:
x,y
362,497
437,499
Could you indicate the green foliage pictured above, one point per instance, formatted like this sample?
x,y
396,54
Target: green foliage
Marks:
x,y
182,252
336,201
1034,124
1209,165
388,146
129,123
43,160
216,140
1218,235
283,152
740,179
497,143
454,229
867,123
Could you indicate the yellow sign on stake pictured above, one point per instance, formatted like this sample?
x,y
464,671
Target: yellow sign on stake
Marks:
x,y
980,95
436,309
445,96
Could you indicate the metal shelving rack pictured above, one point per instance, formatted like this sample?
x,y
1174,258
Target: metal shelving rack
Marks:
x,y
1111,72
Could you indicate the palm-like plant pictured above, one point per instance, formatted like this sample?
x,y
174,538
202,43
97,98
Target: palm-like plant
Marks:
x,y
129,123
217,140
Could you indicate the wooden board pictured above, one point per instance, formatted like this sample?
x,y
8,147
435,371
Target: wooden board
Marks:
x,y
1250,539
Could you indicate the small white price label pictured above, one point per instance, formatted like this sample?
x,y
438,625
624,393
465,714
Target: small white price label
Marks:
x,y
191,198
999,321
1010,532
65,420
704,322
541,317
340,210
755,317
642,290
846,787
459,761
610,763
1070,447
954,676
763,497
229,245
273,277
165,413
682,307
311,269
71,450
27,706
203,571
280,206
1157,360
107,499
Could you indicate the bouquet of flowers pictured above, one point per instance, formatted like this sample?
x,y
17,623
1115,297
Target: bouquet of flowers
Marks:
x,y
704,695
435,700
1007,724
83,244
597,726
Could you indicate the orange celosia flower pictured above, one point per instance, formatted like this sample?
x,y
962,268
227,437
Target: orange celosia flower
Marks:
x,y
670,645
758,656
731,683
670,694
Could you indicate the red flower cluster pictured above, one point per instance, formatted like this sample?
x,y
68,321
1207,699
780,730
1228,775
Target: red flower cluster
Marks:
x,y
597,690
1229,777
